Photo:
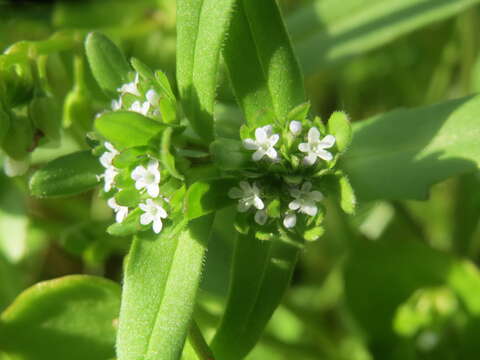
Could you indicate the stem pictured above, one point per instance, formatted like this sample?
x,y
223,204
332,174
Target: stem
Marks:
x,y
196,339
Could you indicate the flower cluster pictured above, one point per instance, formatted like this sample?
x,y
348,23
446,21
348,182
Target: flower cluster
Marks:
x,y
135,97
146,181
287,171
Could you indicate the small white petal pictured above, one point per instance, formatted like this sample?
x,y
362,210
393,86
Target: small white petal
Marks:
x,y
309,209
152,97
146,219
274,139
325,155
153,190
245,186
260,135
157,226
294,205
258,155
309,159
327,142
268,129
235,193
121,214
272,153
307,185
138,172
290,220
295,127
250,144
304,147
258,203
313,135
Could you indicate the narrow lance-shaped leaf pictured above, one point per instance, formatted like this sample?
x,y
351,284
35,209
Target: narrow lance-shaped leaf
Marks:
x,y
263,69
261,274
67,175
161,279
73,317
201,27
326,32
400,154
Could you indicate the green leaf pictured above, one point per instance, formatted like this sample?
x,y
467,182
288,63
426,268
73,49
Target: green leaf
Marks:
x,y
299,112
261,274
348,200
108,65
129,226
68,175
326,32
162,275
67,318
263,69
201,27
18,142
45,115
340,127
229,154
204,197
400,154
168,160
127,129
128,197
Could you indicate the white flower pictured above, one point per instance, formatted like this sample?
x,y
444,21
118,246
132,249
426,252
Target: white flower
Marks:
x,y
290,220
305,200
153,212
261,217
108,156
109,178
14,167
152,97
295,127
120,211
316,147
247,195
131,87
141,108
116,104
147,178
263,144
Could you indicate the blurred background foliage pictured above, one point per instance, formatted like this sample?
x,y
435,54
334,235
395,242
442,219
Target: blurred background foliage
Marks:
x,y
398,280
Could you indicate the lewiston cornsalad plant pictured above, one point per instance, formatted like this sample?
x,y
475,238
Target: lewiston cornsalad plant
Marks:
x,y
267,173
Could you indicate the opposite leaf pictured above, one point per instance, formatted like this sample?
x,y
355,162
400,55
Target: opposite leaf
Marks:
x,y
67,318
126,129
400,154
109,66
67,175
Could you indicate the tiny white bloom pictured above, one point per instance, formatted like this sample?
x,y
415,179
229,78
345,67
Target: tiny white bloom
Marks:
x,y
261,217
152,97
305,200
247,195
153,213
290,220
141,108
263,144
116,104
14,167
109,178
108,156
131,87
147,178
120,211
316,147
295,127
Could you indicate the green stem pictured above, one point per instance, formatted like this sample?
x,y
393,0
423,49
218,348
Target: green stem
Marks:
x,y
196,339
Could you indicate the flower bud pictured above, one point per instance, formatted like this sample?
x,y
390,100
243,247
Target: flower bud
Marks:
x,y
19,141
44,113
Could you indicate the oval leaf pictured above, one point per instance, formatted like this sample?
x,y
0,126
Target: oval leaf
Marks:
x,y
127,129
68,175
109,66
67,318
